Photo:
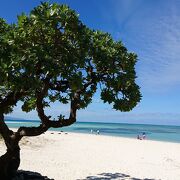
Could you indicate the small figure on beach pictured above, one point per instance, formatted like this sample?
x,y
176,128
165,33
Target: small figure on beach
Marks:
x,y
143,135
98,132
139,137
91,131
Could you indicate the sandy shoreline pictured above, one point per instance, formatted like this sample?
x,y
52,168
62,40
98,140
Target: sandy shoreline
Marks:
x,y
74,156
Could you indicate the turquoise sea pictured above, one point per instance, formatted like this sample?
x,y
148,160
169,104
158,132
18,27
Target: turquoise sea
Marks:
x,y
153,132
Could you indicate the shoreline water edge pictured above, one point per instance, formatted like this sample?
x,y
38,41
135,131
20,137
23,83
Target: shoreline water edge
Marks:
x,y
165,133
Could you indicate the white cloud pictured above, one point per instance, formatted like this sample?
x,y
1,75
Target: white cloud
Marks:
x,y
109,115
160,59
154,34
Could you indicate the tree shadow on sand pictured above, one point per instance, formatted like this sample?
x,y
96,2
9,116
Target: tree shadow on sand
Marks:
x,y
115,176
29,175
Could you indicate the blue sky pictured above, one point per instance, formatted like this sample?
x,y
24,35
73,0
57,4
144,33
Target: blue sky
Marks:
x,y
150,28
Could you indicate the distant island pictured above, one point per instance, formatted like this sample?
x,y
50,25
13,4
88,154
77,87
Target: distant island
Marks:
x,y
12,118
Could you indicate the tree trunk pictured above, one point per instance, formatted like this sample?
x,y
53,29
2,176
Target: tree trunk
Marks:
x,y
9,162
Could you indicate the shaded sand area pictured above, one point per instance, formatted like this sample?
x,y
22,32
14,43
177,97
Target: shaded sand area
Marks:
x,y
71,156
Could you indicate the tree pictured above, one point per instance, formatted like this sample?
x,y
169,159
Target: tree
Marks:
x,y
50,55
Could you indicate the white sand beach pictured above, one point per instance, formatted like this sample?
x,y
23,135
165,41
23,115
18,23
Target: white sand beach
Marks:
x,y
74,156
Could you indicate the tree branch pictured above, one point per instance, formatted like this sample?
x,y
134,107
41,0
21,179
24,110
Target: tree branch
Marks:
x,y
11,99
39,103
4,130
32,131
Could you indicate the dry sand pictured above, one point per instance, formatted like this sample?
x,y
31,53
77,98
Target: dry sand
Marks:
x,y
94,157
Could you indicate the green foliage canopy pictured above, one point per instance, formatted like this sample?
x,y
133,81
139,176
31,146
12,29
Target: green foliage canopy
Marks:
x,y
50,55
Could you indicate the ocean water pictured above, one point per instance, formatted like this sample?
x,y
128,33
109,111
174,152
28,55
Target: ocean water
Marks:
x,y
153,132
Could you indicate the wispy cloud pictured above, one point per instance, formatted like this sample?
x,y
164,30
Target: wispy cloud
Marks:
x,y
159,66
125,10
109,115
153,32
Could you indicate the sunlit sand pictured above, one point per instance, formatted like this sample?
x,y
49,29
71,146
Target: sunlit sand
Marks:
x,y
74,156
